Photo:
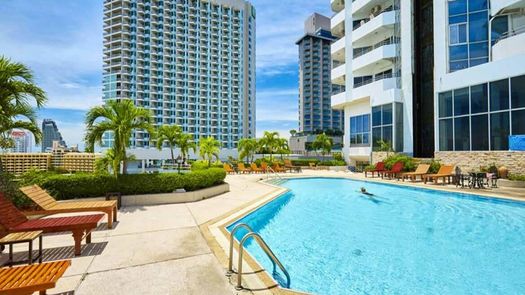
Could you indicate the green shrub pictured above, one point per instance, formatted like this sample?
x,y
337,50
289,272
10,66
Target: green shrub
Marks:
x,y
408,162
338,156
434,166
517,177
304,162
9,186
76,186
202,165
370,167
332,163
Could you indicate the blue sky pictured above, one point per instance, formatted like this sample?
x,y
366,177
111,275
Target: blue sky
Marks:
x,y
61,40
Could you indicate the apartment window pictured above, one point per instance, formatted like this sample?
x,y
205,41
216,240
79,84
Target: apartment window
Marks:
x,y
482,117
467,33
382,127
360,130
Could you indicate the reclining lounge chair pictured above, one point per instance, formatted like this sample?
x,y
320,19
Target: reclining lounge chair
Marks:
x,y
13,220
31,278
50,206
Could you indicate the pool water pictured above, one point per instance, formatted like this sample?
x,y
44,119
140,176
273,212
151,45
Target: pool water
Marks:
x,y
334,240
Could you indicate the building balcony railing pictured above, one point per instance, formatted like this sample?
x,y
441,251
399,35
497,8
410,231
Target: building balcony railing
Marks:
x,y
364,50
374,79
363,21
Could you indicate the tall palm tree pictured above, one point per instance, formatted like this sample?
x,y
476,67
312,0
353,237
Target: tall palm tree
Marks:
x,y
209,147
120,117
185,143
168,134
247,148
17,92
269,142
323,143
282,147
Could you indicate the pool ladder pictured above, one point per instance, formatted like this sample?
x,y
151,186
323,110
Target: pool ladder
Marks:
x,y
263,246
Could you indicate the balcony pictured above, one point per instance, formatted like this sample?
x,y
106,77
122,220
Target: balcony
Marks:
x,y
363,8
497,6
338,100
509,44
338,24
338,74
375,60
338,50
379,90
378,27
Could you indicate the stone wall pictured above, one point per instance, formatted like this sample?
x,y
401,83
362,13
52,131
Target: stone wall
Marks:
x,y
471,161
379,156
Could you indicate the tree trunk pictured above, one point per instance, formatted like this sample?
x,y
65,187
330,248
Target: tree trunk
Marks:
x,y
172,156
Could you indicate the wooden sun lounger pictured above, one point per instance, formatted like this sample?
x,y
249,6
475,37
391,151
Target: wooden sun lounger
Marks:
x,y
255,169
243,168
24,280
228,169
14,221
278,168
397,169
50,206
421,170
445,172
288,165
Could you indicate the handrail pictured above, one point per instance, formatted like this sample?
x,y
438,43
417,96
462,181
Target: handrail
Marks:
x,y
268,252
273,171
232,234
263,246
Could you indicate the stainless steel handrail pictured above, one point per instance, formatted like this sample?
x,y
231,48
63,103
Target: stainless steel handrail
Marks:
x,y
263,246
268,252
273,171
232,235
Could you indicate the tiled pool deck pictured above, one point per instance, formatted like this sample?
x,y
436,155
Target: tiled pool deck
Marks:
x,y
166,249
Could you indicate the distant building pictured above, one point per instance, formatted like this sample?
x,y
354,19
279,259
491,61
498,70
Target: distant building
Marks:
x,y
50,134
315,85
23,141
302,143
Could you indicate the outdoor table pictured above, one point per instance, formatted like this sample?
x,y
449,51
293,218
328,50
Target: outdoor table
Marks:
x,y
477,179
23,237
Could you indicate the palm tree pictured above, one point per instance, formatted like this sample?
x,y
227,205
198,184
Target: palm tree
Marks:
x,y
247,148
293,132
282,147
17,92
324,143
269,142
209,147
168,134
120,117
185,143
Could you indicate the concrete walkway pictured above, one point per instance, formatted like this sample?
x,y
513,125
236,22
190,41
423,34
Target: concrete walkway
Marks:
x,y
160,249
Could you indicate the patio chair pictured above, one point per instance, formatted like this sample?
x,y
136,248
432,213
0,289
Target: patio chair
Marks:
x,y
396,170
380,168
264,167
31,278
50,206
242,169
228,168
12,220
445,172
255,169
277,168
288,165
312,166
421,170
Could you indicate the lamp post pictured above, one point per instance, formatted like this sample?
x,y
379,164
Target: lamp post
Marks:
x,y
179,162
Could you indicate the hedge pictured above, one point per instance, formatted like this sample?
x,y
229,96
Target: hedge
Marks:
x,y
76,186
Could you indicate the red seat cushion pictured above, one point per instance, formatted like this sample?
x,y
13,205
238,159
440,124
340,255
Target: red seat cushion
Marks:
x,y
50,224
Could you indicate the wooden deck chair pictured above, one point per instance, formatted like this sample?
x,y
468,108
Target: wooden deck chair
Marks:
x,y
228,168
50,206
445,172
22,280
255,169
13,220
243,168
421,170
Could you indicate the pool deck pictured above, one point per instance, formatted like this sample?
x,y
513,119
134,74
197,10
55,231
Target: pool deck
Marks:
x,y
170,249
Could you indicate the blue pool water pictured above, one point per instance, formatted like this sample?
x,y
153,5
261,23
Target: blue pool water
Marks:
x,y
334,240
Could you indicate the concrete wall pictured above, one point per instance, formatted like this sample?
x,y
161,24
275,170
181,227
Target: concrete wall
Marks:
x,y
471,161
379,156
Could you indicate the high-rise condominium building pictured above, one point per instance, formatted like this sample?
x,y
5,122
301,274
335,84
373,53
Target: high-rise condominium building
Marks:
x,y
191,62
50,133
430,77
372,58
22,141
315,85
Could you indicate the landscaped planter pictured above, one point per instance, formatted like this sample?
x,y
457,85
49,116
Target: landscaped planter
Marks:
x,y
511,183
174,198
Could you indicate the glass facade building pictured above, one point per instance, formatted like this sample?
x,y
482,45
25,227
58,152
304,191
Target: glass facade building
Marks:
x,y
191,62
50,133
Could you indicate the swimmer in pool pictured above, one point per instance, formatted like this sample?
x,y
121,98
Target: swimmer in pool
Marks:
x,y
364,192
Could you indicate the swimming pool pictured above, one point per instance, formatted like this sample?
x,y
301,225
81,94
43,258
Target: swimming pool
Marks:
x,y
334,240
